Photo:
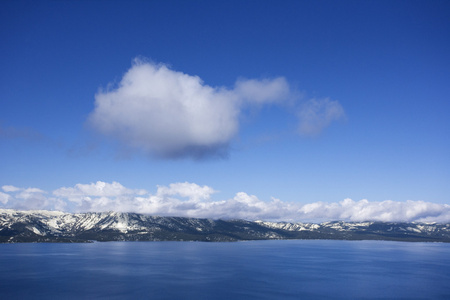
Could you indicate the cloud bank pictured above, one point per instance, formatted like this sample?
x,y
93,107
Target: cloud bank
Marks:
x,y
192,200
170,114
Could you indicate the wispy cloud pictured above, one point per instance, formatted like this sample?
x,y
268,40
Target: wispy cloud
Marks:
x,y
170,114
263,91
193,200
317,114
20,133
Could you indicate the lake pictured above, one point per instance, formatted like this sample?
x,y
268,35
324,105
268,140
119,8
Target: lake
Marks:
x,y
289,269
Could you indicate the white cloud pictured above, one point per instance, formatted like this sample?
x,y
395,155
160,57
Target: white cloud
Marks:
x,y
192,200
384,211
98,189
10,188
317,114
169,114
29,193
29,199
186,189
262,91
99,196
4,198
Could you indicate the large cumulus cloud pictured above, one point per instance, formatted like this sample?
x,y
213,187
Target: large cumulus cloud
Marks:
x,y
193,200
170,114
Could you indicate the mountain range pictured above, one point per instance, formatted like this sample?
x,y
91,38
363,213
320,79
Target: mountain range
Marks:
x,y
52,226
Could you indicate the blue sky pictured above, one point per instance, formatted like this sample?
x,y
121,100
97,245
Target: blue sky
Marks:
x,y
303,101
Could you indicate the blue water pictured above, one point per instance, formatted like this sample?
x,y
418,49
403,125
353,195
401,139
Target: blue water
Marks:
x,y
242,270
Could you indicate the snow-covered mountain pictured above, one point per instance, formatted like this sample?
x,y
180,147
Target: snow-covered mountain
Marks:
x,y
53,226
369,230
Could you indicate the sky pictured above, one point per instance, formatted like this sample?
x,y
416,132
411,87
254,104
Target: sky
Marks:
x,y
275,110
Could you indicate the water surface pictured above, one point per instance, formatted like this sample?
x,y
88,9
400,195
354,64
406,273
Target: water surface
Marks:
x,y
243,270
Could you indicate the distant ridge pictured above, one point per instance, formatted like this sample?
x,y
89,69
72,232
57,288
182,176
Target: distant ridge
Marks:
x,y
51,226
